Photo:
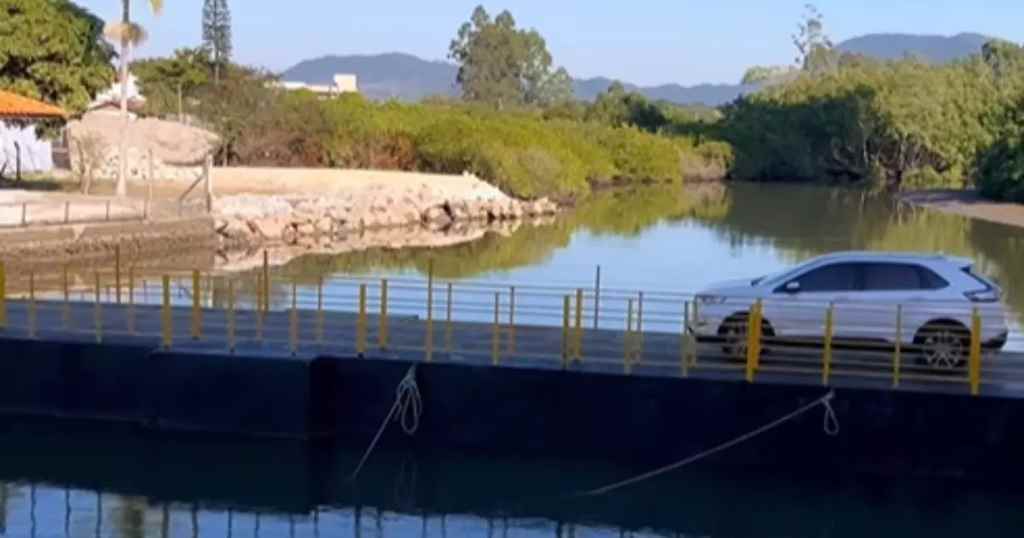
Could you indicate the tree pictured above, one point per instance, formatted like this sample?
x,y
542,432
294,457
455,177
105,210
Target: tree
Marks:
x,y
53,50
815,53
217,33
617,107
760,74
130,34
167,82
502,65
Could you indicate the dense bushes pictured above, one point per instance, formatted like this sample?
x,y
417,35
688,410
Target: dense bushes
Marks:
x,y
522,152
902,124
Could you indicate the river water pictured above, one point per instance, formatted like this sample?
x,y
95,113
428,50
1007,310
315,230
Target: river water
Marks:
x,y
76,481
680,240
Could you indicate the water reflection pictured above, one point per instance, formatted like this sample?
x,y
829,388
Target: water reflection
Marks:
x,y
685,238
72,481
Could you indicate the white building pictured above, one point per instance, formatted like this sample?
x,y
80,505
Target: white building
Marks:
x,y
343,83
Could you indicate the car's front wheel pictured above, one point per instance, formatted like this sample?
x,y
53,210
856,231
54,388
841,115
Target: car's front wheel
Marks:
x,y
733,333
943,344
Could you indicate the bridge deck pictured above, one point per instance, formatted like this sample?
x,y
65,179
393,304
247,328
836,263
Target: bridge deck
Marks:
x,y
283,333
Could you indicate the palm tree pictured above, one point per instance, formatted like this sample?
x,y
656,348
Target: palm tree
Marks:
x,y
130,34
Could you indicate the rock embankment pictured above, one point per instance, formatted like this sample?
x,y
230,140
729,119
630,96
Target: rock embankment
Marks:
x,y
247,220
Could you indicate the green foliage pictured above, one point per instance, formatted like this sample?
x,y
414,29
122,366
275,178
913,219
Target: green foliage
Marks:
x,y
503,66
1000,169
815,53
900,124
168,82
617,107
53,50
766,74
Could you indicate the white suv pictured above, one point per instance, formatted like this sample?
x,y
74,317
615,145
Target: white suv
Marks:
x,y
935,297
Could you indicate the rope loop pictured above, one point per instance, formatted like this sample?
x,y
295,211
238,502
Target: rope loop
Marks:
x,y
409,402
831,424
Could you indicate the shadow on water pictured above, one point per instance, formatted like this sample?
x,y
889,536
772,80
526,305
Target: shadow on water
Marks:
x,y
76,480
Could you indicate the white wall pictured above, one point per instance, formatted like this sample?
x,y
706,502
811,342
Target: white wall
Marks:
x,y
36,154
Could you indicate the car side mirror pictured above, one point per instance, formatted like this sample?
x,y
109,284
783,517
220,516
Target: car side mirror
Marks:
x,y
792,287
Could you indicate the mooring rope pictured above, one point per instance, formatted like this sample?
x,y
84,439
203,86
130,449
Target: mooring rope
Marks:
x,y
408,406
830,427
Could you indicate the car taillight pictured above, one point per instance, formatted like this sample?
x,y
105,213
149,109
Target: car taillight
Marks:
x,y
982,296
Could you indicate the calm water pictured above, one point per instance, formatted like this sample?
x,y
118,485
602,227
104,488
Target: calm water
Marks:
x,y
78,482
677,240
74,481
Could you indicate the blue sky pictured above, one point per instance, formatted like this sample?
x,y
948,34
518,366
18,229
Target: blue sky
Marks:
x,y
643,41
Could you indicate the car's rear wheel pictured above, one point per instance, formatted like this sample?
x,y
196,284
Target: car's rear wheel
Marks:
x,y
943,344
733,332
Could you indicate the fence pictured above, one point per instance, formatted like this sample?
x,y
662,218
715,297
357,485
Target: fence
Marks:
x,y
940,345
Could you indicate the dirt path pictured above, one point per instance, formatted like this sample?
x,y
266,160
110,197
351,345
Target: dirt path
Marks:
x,y
969,204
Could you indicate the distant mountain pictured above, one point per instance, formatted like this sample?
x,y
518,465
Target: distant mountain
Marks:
x,y
706,94
381,76
933,48
408,78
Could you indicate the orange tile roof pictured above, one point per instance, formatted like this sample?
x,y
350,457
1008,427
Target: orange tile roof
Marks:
x,y
14,106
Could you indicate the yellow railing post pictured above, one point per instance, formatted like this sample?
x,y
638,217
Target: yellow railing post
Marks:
x,y
266,282
826,358
361,322
638,337
320,310
293,321
684,362
429,344
448,319
98,312
597,298
260,314
496,331
753,340
3,296
197,313
166,327
131,300
382,332
66,309
231,315
578,335
512,319
897,354
31,304
565,331
974,360
117,273
627,345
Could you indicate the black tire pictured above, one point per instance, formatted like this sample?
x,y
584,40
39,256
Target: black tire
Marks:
x,y
943,344
733,333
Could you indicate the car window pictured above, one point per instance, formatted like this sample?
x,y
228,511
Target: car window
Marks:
x,y
891,277
932,281
835,277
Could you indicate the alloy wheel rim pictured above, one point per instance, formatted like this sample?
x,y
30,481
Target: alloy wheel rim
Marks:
x,y
943,350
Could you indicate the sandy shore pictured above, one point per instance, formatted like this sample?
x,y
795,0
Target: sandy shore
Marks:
x,y
967,203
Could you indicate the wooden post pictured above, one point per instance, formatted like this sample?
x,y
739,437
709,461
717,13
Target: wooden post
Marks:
x,y
197,313
108,210
24,213
67,212
597,298
496,331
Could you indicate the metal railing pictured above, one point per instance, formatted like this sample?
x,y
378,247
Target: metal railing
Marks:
x,y
592,328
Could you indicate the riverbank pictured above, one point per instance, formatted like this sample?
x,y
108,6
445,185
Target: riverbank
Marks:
x,y
967,203
318,207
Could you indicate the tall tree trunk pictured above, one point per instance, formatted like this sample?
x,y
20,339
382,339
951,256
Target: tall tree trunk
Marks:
x,y
122,171
181,112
